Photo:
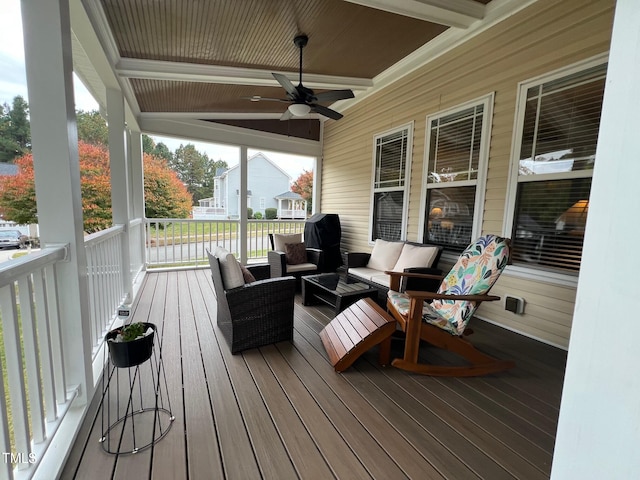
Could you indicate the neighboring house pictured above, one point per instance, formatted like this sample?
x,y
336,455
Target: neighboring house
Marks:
x,y
291,205
265,184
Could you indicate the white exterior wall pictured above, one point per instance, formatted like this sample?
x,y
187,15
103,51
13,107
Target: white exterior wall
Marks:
x,y
265,179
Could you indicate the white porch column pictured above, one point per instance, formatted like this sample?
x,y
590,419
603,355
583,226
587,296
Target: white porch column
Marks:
x,y
119,179
137,175
599,423
317,186
47,41
136,168
243,204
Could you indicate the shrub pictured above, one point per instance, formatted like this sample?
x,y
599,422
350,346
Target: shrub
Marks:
x,y
249,213
257,215
271,213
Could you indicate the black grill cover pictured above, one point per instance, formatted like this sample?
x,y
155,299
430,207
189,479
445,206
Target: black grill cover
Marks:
x,y
323,231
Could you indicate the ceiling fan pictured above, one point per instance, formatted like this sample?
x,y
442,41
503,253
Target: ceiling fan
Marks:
x,y
302,99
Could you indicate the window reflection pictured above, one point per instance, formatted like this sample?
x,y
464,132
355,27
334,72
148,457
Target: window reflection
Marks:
x,y
450,217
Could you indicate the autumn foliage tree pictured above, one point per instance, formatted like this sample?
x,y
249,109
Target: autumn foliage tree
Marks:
x,y
165,195
303,186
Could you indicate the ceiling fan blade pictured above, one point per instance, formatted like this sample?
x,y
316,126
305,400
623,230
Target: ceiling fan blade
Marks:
x,y
327,112
286,83
333,95
287,115
258,98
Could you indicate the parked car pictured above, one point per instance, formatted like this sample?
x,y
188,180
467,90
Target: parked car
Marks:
x,y
13,239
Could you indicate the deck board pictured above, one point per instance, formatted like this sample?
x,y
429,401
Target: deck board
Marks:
x,y
203,449
272,457
169,455
282,412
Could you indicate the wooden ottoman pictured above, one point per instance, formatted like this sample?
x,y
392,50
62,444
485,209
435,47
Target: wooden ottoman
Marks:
x,y
354,331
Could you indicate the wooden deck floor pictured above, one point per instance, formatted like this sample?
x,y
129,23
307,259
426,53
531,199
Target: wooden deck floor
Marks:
x,y
281,411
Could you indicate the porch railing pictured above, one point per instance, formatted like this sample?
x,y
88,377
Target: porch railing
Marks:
x,y
292,213
180,242
203,212
34,396
105,282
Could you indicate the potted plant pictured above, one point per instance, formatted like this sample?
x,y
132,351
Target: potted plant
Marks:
x,y
131,344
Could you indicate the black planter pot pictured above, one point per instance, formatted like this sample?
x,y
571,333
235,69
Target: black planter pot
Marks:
x,y
132,353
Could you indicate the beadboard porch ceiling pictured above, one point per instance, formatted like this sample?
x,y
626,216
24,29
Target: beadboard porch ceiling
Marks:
x,y
204,60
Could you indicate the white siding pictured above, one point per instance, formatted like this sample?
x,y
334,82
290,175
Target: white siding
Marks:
x,y
544,37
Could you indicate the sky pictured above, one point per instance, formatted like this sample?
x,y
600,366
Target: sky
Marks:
x,y
13,81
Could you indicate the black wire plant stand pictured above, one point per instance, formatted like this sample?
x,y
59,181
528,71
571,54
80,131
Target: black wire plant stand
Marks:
x,y
141,421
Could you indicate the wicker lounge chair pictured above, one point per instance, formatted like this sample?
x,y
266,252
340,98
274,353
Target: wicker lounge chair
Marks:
x,y
257,313
280,264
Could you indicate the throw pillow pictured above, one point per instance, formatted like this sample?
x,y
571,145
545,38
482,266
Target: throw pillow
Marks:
x,y
229,269
280,240
415,256
296,253
247,275
384,255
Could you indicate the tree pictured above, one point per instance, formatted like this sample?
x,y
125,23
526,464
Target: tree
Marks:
x,y
162,151
303,186
18,193
92,128
148,144
196,170
165,195
15,130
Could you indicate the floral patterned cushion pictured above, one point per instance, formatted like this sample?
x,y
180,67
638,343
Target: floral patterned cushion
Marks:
x,y
401,302
475,272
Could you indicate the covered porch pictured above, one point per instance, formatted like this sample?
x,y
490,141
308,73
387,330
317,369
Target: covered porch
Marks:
x,y
282,412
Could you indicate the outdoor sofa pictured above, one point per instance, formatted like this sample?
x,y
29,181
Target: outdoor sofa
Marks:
x,y
407,257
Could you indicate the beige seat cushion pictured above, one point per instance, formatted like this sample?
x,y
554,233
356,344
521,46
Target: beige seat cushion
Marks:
x,y
229,269
363,272
301,267
384,255
280,240
415,256
383,279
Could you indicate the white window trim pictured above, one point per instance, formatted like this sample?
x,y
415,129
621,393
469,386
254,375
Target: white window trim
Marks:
x,y
407,179
522,271
483,163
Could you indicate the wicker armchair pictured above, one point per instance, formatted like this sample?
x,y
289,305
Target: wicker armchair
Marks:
x,y
279,267
256,314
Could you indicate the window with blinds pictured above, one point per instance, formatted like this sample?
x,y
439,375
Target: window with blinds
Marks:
x,y
454,159
391,163
560,124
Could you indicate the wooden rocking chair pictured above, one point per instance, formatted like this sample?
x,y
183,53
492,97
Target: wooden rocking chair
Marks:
x,y
443,322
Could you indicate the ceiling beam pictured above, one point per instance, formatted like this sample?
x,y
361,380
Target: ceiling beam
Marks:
x,y
230,135
191,72
453,13
215,116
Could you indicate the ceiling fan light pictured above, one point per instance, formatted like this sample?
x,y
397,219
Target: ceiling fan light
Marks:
x,y
299,109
